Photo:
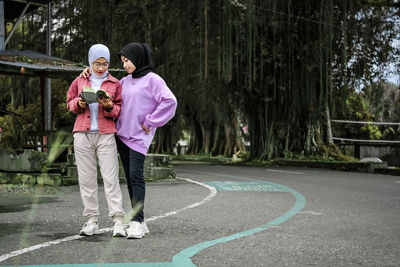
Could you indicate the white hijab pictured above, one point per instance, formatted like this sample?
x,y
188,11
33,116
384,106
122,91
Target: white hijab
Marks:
x,y
95,52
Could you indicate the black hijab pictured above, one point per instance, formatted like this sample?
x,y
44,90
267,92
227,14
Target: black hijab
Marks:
x,y
141,56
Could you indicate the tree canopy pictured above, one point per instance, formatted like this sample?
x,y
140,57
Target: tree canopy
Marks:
x,y
281,69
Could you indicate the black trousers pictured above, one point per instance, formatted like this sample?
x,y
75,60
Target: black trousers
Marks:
x,y
133,163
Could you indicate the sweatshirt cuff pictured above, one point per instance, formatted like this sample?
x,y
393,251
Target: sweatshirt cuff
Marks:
x,y
146,123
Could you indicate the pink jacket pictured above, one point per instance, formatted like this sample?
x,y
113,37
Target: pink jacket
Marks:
x,y
106,120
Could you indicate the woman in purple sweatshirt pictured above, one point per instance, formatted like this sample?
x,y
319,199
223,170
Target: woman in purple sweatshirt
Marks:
x,y
147,103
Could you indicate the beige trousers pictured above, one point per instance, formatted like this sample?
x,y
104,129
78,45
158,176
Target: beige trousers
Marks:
x,y
88,147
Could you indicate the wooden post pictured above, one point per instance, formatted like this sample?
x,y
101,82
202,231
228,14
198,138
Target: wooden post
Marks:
x,y
43,107
357,153
47,122
2,30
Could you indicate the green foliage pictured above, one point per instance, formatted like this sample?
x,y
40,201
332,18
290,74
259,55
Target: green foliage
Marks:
x,y
62,118
372,132
357,109
328,154
16,129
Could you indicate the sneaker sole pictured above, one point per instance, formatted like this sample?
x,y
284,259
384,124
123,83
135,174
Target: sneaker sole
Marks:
x,y
89,234
85,234
134,236
119,235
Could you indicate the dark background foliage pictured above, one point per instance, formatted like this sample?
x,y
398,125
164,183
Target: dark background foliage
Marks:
x,y
282,68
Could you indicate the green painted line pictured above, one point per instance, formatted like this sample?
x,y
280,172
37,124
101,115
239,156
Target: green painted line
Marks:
x,y
133,264
183,258
253,186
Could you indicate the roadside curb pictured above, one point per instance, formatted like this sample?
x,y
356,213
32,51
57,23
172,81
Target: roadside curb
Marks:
x,y
369,167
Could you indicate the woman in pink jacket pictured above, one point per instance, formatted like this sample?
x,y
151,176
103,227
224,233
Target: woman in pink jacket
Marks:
x,y
94,137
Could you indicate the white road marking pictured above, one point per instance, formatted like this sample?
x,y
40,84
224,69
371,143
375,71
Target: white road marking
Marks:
x,y
213,193
310,212
38,246
289,172
397,182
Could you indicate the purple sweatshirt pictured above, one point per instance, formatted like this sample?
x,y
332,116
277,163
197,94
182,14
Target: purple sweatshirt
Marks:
x,y
147,100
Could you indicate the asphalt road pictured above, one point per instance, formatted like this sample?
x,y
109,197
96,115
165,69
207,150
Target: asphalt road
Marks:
x,y
218,216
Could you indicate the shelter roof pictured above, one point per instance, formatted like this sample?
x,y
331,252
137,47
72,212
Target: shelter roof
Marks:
x,y
13,8
36,64
27,62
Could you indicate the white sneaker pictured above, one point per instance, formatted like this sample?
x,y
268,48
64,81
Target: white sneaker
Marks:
x,y
145,229
89,228
118,229
135,230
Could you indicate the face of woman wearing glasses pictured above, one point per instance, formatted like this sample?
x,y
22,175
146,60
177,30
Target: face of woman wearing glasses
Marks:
x,y
100,66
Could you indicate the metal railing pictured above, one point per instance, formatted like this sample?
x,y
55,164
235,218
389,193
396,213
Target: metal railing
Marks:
x,y
365,141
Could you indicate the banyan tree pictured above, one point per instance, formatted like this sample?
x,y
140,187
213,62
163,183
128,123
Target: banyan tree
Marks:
x,y
287,66
280,69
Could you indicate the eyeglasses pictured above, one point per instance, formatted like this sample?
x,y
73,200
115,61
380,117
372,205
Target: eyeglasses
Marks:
x,y
98,64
